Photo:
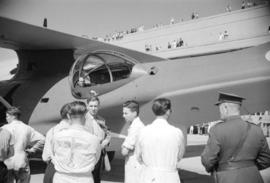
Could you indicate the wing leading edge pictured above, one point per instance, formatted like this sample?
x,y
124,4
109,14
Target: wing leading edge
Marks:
x,y
18,35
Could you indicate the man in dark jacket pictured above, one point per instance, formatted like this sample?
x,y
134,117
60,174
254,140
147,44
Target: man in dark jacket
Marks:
x,y
236,150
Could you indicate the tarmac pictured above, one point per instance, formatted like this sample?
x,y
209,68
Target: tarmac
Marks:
x,y
191,169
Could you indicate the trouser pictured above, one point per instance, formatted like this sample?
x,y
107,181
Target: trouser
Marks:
x,y
3,172
97,169
49,173
20,176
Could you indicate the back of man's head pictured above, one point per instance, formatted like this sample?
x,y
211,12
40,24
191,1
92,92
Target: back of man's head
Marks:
x,y
132,105
14,111
228,109
161,106
77,109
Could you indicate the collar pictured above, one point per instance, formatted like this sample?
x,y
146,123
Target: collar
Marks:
x,y
135,121
76,126
232,118
14,121
160,121
64,122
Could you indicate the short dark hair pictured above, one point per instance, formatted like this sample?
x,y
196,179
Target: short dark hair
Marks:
x,y
65,110
14,111
93,98
77,108
132,105
161,106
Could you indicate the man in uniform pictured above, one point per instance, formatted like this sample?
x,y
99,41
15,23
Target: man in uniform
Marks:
x,y
27,141
132,166
236,150
96,125
160,147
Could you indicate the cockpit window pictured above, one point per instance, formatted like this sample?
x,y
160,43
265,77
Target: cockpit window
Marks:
x,y
119,68
93,71
97,69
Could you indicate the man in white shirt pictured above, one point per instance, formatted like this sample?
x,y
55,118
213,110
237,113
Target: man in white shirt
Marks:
x,y
160,146
132,166
96,125
75,150
24,136
47,151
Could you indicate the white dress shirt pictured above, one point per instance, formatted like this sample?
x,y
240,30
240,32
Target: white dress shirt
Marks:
x,y
24,136
160,147
132,166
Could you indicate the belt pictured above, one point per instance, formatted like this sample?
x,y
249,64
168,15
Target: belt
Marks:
x,y
235,165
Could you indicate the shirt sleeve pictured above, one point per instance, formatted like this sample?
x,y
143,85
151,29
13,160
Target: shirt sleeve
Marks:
x,y
47,151
138,149
37,140
130,140
107,138
263,157
89,125
209,156
98,150
182,145
107,134
7,144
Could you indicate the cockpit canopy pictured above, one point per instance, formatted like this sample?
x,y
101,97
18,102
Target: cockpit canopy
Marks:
x,y
97,71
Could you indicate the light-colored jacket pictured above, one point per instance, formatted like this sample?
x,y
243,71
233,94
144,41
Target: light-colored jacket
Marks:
x,y
160,147
75,153
24,137
47,151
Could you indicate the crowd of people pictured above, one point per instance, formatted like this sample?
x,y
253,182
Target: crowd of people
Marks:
x,y
75,149
260,119
176,43
118,35
248,4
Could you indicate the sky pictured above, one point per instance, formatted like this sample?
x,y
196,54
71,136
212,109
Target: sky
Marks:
x,y
96,18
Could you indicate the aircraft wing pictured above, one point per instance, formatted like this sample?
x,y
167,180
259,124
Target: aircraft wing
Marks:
x,y
17,35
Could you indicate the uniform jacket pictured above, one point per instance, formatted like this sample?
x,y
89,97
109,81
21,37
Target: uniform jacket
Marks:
x,y
222,142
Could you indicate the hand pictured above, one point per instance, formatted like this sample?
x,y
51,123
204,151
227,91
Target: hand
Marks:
x,y
29,152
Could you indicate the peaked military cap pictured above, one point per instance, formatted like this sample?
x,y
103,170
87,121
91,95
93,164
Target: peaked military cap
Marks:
x,y
229,97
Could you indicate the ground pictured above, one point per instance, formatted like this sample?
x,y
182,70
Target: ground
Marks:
x,y
191,170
